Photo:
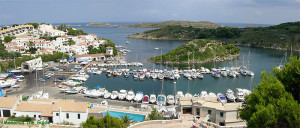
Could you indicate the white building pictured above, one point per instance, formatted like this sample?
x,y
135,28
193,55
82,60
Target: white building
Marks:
x,y
89,57
110,50
7,106
17,30
212,112
31,65
55,111
48,29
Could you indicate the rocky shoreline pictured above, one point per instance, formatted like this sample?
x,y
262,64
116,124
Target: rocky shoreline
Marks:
x,y
199,62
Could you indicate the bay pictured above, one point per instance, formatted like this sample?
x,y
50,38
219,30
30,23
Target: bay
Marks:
x,y
259,60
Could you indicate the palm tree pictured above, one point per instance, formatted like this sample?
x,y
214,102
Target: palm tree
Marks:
x,y
126,119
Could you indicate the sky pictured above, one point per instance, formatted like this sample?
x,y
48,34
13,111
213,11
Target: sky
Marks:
x,y
217,11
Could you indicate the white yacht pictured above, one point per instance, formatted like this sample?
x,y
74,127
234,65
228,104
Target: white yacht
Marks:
x,y
130,95
179,94
139,96
203,94
230,95
211,94
122,94
221,98
152,99
161,99
114,95
188,95
239,94
107,95
153,75
170,100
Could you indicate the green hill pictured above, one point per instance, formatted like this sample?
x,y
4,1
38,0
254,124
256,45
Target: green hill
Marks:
x,y
281,36
201,24
202,51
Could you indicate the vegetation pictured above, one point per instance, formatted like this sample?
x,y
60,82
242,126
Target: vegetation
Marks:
x,y
71,42
47,37
35,25
126,120
289,76
106,122
201,50
7,39
280,36
66,123
270,105
71,31
201,24
155,115
102,48
56,56
21,118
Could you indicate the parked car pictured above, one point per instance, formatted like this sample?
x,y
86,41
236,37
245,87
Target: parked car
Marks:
x,y
74,70
57,80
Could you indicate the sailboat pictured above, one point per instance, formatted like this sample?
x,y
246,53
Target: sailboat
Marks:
x,y
170,99
161,98
152,99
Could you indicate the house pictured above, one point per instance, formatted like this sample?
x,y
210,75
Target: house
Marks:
x,y
49,30
211,111
17,30
15,49
7,105
55,111
110,50
31,65
89,57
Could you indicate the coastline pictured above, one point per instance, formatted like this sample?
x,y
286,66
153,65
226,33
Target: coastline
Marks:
x,y
199,62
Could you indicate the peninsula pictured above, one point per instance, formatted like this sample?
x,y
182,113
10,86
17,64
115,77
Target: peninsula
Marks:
x,y
201,24
198,51
283,36
101,25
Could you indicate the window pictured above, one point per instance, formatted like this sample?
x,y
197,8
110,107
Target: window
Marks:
x,y
57,114
78,116
34,116
209,111
67,115
39,116
221,114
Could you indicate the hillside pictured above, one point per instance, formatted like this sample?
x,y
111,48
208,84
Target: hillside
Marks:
x,y
201,50
281,36
201,24
101,24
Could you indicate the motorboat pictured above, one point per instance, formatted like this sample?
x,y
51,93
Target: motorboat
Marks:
x,y
211,94
188,95
239,94
63,90
135,75
130,95
122,94
179,94
126,74
170,100
223,73
231,74
73,91
221,98
148,74
230,95
200,76
244,72
107,95
139,96
153,75
161,76
250,73
114,95
215,74
196,95
141,76
152,99
145,99
203,94
176,75
161,99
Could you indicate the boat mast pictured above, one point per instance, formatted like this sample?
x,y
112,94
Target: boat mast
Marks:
x,y
160,58
189,59
175,93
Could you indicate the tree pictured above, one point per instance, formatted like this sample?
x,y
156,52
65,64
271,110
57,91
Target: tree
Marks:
x,y
35,25
154,115
289,75
126,120
14,25
106,122
7,39
71,42
270,105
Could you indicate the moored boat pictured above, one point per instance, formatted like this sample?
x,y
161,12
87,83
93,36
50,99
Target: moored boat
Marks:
x,y
145,99
152,99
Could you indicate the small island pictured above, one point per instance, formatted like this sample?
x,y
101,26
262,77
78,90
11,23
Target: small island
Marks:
x,y
200,24
198,51
101,25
